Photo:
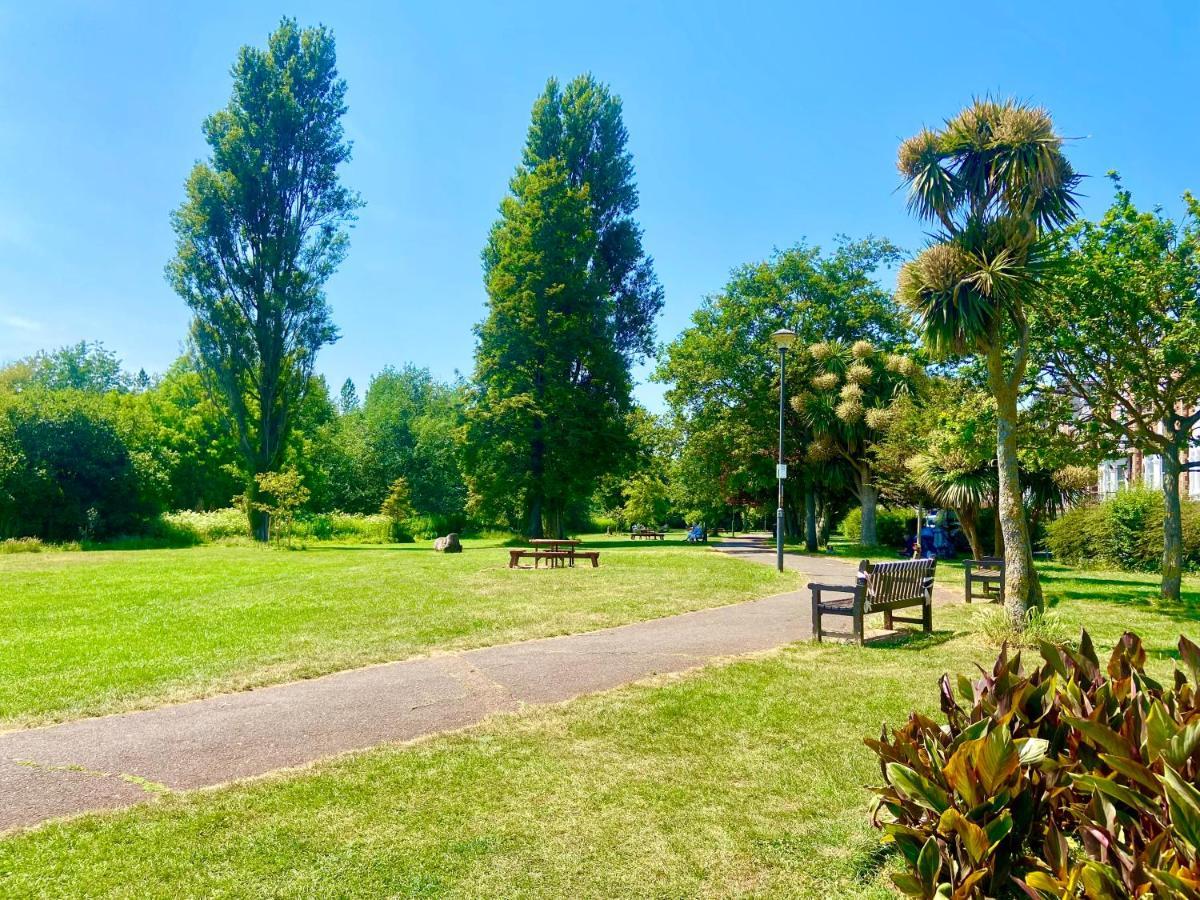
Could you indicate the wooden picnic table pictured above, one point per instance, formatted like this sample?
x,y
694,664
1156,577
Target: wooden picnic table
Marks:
x,y
649,535
557,545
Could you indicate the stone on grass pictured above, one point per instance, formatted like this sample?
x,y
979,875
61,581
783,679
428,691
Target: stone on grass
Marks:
x,y
448,544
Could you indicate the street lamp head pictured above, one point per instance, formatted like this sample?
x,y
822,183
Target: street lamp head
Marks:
x,y
784,338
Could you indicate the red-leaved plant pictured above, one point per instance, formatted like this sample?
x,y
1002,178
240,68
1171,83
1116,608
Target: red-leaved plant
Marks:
x,y
1069,780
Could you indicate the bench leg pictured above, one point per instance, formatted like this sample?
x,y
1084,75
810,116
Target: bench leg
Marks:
x,y
968,597
595,562
927,615
859,632
816,618
887,620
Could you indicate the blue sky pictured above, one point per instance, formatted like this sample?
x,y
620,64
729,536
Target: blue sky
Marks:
x,y
753,126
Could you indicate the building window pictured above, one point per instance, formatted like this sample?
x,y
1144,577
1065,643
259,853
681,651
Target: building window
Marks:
x,y
1114,475
1152,472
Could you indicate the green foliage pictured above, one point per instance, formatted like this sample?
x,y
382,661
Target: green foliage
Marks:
x,y
22,545
646,501
1122,532
892,526
996,625
1070,778
399,511
84,366
261,230
205,527
65,471
723,372
280,495
571,304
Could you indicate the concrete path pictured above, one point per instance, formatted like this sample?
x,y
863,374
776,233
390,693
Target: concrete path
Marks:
x,y
126,759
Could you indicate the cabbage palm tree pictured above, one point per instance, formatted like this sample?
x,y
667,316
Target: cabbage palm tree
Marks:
x,y
996,183
963,484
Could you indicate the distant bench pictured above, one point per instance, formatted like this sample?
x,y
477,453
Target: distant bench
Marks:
x,y
984,579
649,535
552,557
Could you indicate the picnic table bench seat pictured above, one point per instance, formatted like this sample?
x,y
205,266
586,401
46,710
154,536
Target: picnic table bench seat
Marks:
x,y
878,587
515,556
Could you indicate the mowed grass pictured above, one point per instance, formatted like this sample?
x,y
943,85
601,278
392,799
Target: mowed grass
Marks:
x,y
92,633
747,779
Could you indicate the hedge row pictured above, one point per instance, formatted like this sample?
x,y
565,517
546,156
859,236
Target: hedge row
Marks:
x,y
891,526
1124,532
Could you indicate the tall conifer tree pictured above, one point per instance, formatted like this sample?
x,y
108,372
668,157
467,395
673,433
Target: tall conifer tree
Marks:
x,y
572,301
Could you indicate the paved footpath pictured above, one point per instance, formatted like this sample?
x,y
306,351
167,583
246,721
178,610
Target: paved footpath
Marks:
x,y
120,760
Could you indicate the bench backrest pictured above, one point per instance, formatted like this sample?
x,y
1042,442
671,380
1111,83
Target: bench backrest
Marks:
x,y
902,583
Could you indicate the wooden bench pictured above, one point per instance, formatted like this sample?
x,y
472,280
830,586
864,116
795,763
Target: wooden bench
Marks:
x,y
879,587
551,556
984,579
650,535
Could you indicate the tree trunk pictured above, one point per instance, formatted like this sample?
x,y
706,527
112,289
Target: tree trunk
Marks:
x,y
1021,589
260,519
534,526
968,518
810,520
868,496
1172,560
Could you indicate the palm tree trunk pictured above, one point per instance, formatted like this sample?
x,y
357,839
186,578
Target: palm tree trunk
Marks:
x,y
810,520
868,499
1172,560
968,518
1021,589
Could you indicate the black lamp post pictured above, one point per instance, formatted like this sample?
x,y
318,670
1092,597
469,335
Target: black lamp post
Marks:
x,y
783,339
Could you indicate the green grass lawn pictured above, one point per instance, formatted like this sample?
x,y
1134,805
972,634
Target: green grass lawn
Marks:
x,y
98,632
739,780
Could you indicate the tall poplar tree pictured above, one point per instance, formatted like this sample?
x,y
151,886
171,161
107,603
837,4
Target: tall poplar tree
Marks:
x,y
262,228
572,299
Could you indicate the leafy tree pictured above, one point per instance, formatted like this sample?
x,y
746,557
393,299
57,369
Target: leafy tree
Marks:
x,y
262,228
848,403
85,366
572,299
279,497
994,179
399,510
348,398
65,472
582,126
723,378
412,429
1122,336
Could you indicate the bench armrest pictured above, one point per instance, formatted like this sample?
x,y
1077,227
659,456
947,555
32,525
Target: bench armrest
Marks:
x,y
843,588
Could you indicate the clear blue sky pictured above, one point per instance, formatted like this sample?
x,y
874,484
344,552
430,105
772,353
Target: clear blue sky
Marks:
x,y
753,126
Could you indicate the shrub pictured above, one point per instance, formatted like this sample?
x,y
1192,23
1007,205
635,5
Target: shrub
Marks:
x,y
1070,779
1038,626
1124,532
22,545
891,526
203,527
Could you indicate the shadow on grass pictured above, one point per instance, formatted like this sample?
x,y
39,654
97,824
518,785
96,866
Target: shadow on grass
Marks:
x,y
910,640
869,859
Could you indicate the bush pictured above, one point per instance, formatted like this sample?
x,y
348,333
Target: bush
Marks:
x,y
891,526
203,527
1123,532
997,627
22,545
1074,779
